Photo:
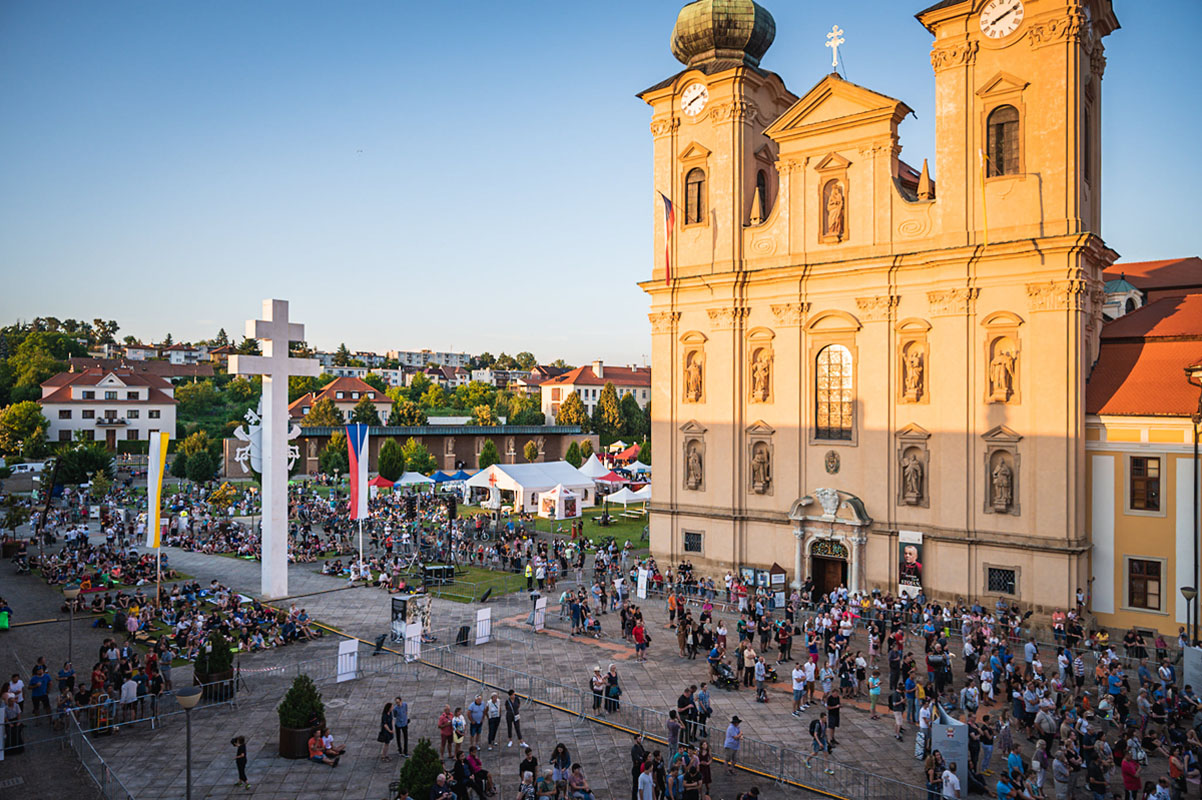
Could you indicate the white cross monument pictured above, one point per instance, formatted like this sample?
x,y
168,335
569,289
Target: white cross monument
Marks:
x,y
275,332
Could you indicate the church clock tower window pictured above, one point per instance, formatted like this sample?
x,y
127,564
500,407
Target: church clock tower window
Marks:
x,y
694,196
1002,146
834,393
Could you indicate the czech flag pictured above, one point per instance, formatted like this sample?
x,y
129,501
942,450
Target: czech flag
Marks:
x,y
356,446
669,226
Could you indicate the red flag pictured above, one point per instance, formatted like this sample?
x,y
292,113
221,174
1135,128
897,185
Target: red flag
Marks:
x,y
669,226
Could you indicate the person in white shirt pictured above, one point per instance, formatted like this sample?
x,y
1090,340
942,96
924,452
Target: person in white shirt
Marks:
x,y
799,688
129,699
951,784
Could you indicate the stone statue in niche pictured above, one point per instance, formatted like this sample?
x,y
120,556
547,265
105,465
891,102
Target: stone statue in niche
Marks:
x,y
835,222
692,468
1001,372
761,468
831,462
913,365
1002,483
692,377
761,376
450,446
912,472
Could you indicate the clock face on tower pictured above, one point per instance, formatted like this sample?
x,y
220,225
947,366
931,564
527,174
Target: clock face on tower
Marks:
x,y
694,98
1000,18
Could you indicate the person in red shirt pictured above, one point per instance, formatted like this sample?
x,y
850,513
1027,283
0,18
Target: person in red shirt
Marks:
x,y
1131,779
317,750
640,640
446,732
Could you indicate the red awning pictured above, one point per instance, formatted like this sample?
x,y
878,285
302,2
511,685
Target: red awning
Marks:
x,y
380,482
612,477
629,453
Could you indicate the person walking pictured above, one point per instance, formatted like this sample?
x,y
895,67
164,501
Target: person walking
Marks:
x,y
493,708
734,739
239,743
638,755
475,712
513,718
387,731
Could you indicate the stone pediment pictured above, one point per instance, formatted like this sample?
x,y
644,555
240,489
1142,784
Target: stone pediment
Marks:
x,y
913,432
694,152
766,155
1001,435
692,426
834,100
832,163
110,380
761,428
1002,83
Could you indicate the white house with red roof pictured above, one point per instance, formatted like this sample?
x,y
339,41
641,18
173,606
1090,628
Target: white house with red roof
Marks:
x,y
589,380
108,405
345,393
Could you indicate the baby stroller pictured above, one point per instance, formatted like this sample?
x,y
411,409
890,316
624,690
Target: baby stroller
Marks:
x,y
725,677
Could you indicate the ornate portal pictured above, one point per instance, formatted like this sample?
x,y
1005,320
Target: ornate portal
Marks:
x,y
829,548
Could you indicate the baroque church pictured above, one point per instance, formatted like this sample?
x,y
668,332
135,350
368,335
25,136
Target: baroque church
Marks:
x,y
868,374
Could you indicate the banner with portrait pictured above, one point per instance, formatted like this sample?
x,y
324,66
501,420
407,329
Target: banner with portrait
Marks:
x,y
909,563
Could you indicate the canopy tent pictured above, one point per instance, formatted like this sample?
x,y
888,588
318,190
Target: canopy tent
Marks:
x,y
611,477
413,479
559,503
625,497
593,468
637,467
460,476
617,447
528,481
644,494
441,477
379,482
629,453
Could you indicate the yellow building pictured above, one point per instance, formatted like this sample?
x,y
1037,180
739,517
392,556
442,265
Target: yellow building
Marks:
x,y
853,364
1140,463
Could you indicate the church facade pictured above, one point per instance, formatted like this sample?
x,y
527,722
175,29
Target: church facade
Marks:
x,y
862,375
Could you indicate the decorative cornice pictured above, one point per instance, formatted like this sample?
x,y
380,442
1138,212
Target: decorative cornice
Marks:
x,y
725,319
1057,295
956,55
789,315
1052,31
738,110
665,126
1097,60
874,309
664,321
951,301
784,167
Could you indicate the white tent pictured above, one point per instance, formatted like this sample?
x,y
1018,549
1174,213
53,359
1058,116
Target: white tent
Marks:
x,y
559,503
637,467
412,479
624,496
528,481
644,494
593,468
617,446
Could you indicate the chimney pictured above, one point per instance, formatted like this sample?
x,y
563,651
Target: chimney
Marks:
x,y
598,369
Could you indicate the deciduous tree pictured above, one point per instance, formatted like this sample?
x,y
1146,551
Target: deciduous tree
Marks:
x,y
572,412
335,457
483,415
323,413
365,412
530,451
196,443
201,467
376,382
406,412
22,427
586,448
417,457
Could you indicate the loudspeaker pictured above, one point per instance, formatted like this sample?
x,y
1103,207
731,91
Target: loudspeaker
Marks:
x,y
462,637
487,594
380,644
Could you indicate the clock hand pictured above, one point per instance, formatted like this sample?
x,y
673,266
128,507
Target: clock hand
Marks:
x,y
1002,16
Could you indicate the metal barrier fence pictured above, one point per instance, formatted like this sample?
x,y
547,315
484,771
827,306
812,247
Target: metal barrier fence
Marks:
x,y
782,764
107,782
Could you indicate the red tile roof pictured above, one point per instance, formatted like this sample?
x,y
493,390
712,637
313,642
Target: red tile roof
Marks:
x,y
347,386
618,376
64,381
164,369
1173,273
1140,369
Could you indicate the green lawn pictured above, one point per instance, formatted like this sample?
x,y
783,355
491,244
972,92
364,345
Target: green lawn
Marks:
x,y
621,528
470,586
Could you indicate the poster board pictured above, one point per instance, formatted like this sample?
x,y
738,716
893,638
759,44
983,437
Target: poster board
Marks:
x,y
641,589
909,563
348,660
483,625
413,641
540,614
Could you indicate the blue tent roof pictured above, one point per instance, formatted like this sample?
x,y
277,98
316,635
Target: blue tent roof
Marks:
x,y
441,477
460,476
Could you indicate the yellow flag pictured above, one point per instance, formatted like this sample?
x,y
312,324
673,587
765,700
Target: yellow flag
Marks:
x,y
154,486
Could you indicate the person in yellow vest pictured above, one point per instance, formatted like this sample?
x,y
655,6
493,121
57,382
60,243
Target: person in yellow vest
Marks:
x,y
529,577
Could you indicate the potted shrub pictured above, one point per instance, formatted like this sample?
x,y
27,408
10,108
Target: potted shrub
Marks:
x,y
214,667
300,711
419,771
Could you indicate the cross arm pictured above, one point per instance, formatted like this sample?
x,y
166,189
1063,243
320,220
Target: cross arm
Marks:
x,y
267,365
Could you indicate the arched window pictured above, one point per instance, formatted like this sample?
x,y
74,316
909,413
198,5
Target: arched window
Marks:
x,y
834,393
694,196
761,189
1002,143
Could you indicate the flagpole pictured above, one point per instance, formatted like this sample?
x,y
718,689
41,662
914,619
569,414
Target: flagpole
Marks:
x,y
361,548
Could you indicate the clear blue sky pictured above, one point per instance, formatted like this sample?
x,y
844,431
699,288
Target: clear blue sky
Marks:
x,y
473,175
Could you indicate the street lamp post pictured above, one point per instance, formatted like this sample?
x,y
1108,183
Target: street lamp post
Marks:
x,y
188,698
1193,374
1189,593
71,592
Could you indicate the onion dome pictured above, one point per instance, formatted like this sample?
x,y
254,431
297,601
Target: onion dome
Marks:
x,y
734,31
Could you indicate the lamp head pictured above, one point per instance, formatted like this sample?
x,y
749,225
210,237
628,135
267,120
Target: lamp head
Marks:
x,y
188,697
1189,593
71,592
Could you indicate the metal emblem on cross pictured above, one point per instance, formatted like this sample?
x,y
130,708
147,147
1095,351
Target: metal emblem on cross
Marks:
x,y
833,40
